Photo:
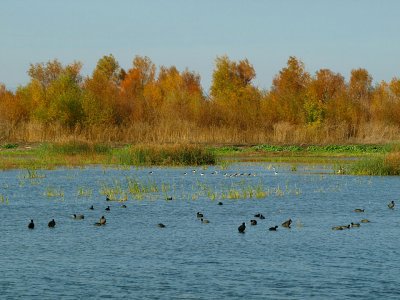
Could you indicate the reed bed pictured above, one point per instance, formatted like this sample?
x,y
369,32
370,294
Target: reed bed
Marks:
x,y
381,165
183,132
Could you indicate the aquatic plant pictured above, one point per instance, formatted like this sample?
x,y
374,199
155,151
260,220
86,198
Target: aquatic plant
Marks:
x,y
113,192
4,199
54,192
33,174
85,192
382,165
179,155
9,146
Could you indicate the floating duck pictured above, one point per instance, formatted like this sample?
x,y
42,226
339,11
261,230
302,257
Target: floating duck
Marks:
x,y
52,223
242,228
261,216
31,225
287,223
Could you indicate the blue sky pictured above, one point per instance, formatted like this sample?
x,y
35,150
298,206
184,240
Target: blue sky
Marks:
x,y
339,34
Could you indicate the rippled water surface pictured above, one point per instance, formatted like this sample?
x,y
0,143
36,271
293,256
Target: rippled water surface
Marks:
x,y
131,257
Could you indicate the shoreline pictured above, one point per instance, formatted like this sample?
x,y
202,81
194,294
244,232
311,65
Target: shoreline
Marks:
x,y
54,155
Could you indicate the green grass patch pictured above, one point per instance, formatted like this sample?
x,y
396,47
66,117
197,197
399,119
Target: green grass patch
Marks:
x,y
164,156
9,146
334,149
381,165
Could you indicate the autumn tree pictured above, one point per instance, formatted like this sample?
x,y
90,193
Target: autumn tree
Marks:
x,y
289,92
138,90
102,93
385,103
54,93
360,91
236,101
12,112
324,89
181,94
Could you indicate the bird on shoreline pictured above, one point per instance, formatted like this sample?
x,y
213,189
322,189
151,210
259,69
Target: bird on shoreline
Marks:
x,y
275,172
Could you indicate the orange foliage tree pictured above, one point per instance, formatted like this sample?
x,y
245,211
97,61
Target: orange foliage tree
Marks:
x,y
235,101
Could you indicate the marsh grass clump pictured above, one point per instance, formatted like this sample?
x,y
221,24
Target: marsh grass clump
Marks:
x,y
32,174
54,192
113,192
139,189
382,165
3,199
85,192
9,146
177,155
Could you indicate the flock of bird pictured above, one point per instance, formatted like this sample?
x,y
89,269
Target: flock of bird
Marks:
x,y
359,210
253,222
241,228
102,221
287,224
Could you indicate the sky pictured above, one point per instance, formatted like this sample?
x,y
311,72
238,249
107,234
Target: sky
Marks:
x,y
340,35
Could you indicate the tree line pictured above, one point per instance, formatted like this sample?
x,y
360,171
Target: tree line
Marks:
x,y
320,107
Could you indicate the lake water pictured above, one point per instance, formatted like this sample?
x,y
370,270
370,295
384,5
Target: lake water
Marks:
x,y
132,258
